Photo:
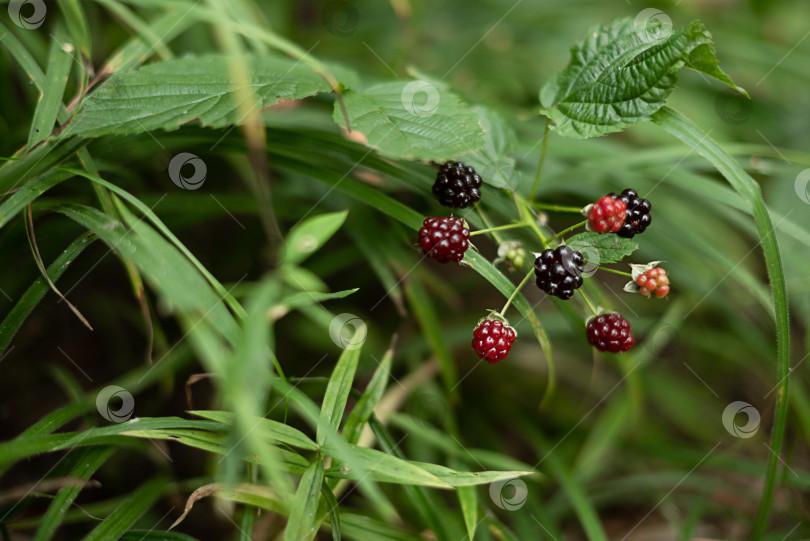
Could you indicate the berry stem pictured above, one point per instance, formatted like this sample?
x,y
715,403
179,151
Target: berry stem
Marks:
x,y
541,162
566,230
588,302
515,292
557,208
487,223
614,271
499,228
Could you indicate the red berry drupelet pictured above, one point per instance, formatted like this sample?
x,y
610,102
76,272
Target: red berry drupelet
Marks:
x,y
654,282
457,185
610,332
492,340
444,238
559,271
637,214
607,215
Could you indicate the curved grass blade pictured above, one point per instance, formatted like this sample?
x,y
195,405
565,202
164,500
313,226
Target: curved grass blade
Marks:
x,y
302,524
691,135
87,463
37,290
120,520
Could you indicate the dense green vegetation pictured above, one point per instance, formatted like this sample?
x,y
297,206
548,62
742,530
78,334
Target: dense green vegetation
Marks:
x,y
216,322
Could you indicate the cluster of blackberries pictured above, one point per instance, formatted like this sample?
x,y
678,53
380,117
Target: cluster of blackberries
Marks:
x,y
558,271
626,214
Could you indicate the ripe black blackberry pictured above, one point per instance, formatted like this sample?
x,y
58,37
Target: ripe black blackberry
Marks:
x,y
559,271
444,238
457,185
637,215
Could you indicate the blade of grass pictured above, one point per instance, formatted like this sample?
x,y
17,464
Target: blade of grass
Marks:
x,y
60,60
428,321
15,318
302,524
420,498
120,520
677,125
339,387
89,461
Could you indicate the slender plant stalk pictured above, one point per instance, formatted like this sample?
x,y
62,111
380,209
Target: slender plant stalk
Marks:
x,y
499,228
567,230
682,128
614,271
557,208
541,162
588,302
516,291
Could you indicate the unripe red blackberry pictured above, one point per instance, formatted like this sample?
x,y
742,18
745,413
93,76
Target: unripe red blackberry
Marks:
x,y
637,215
559,271
444,238
492,340
457,185
610,332
607,215
654,282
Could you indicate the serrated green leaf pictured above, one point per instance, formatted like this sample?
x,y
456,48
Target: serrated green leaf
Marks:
x,y
492,162
609,248
619,75
302,524
168,94
307,237
413,121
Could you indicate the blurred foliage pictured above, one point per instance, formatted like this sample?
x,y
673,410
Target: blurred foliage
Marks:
x,y
628,447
